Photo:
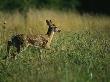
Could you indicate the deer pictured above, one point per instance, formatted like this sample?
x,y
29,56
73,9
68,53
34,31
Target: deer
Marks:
x,y
43,40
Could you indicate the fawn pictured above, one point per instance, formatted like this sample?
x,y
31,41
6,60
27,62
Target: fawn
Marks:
x,y
43,41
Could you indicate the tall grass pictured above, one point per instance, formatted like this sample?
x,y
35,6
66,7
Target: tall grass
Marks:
x,y
80,53
34,21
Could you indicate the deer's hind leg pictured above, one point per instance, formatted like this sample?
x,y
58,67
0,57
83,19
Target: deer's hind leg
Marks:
x,y
13,55
9,44
18,49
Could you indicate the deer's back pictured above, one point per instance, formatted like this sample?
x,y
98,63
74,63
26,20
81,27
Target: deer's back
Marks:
x,y
37,40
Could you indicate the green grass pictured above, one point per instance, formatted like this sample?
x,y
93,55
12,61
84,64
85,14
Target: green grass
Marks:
x,y
75,56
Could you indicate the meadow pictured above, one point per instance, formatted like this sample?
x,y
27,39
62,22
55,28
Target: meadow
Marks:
x,y
79,53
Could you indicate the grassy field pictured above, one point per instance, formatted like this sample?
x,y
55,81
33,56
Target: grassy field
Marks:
x,y
80,53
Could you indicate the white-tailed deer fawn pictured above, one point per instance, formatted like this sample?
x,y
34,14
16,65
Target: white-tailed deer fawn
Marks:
x,y
44,41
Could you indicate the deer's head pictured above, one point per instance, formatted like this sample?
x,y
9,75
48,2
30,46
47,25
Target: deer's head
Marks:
x,y
51,27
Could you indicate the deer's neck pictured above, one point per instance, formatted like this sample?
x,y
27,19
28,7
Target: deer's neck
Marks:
x,y
50,37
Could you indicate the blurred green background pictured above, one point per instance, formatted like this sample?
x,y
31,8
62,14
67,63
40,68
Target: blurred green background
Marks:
x,y
25,4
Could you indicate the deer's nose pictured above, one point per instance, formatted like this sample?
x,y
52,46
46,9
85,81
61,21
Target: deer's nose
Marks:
x,y
5,22
59,31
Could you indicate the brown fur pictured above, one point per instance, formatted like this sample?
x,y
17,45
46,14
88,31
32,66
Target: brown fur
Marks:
x,y
22,40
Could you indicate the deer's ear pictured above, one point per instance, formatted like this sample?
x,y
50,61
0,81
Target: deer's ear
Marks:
x,y
50,21
47,22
